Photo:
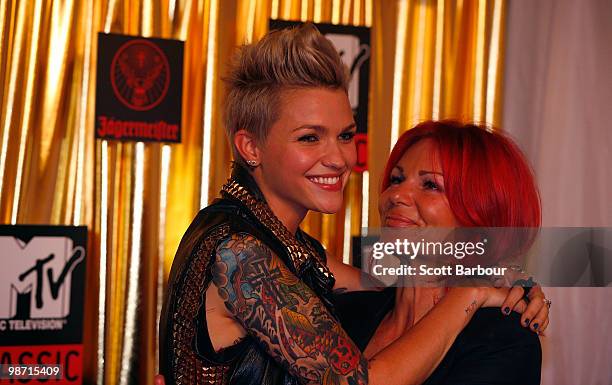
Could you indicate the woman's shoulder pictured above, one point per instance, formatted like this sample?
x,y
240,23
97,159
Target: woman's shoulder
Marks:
x,y
489,325
492,349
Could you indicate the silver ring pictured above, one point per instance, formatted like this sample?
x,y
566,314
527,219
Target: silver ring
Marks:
x,y
547,302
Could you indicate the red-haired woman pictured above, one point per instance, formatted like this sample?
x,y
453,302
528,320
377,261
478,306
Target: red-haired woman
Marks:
x,y
448,174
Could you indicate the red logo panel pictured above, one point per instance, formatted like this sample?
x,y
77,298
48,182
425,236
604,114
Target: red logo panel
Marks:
x,y
140,75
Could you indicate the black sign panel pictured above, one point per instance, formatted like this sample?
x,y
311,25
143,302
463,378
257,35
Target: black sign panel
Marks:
x,y
42,288
353,44
139,88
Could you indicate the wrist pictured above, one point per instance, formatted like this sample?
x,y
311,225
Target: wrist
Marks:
x,y
471,294
481,294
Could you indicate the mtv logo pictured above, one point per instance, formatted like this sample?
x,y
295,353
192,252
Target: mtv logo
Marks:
x,y
353,56
41,268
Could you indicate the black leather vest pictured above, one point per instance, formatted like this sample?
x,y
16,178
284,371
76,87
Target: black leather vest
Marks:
x,y
186,353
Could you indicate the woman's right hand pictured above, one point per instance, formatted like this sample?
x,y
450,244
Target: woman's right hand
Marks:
x,y
496,297
491,296
534,314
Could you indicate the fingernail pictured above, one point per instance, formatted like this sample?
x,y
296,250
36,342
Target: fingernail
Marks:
x,y
526,321
535,326
507,310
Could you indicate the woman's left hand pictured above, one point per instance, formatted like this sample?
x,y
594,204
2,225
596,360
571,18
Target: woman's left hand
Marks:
x,y
534,312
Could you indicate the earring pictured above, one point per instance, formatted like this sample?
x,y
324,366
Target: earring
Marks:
x,y
252,163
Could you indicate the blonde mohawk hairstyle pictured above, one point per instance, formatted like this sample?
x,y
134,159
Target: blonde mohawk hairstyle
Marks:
x,y
284,59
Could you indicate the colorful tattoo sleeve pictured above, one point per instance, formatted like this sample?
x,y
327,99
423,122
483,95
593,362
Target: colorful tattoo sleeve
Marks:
x,y
284,314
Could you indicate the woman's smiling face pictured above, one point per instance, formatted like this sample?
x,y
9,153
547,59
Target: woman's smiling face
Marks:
x,y
309,152
416,196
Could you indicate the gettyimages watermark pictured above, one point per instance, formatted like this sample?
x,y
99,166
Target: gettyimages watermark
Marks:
x,y
495,256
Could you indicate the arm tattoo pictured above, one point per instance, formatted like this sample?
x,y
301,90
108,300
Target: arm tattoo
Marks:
x,y
284,314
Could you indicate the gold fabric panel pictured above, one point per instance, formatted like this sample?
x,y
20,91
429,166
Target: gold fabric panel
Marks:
x,y
431,59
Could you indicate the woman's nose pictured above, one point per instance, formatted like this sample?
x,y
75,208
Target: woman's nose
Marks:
x,y
334,157
402,195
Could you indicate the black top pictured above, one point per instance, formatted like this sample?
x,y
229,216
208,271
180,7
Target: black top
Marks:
x,y
493,349
186,352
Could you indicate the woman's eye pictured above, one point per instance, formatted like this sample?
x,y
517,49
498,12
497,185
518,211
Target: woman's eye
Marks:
x,y
430,185
395,179
347,136
308,138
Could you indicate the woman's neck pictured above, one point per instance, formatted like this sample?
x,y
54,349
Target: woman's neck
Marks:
x,y
412,303
288,214
291,215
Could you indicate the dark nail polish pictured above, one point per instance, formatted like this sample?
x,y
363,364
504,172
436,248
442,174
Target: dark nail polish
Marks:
x,y
526,321
507,310
535,326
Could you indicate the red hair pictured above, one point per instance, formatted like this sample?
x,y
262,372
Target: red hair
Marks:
x,y
487,180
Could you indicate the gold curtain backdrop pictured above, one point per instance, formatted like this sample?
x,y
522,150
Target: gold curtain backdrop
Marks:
x,y
430,60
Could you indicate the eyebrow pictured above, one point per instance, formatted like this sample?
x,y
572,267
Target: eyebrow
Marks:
x,y
421,172
424,172
322,128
